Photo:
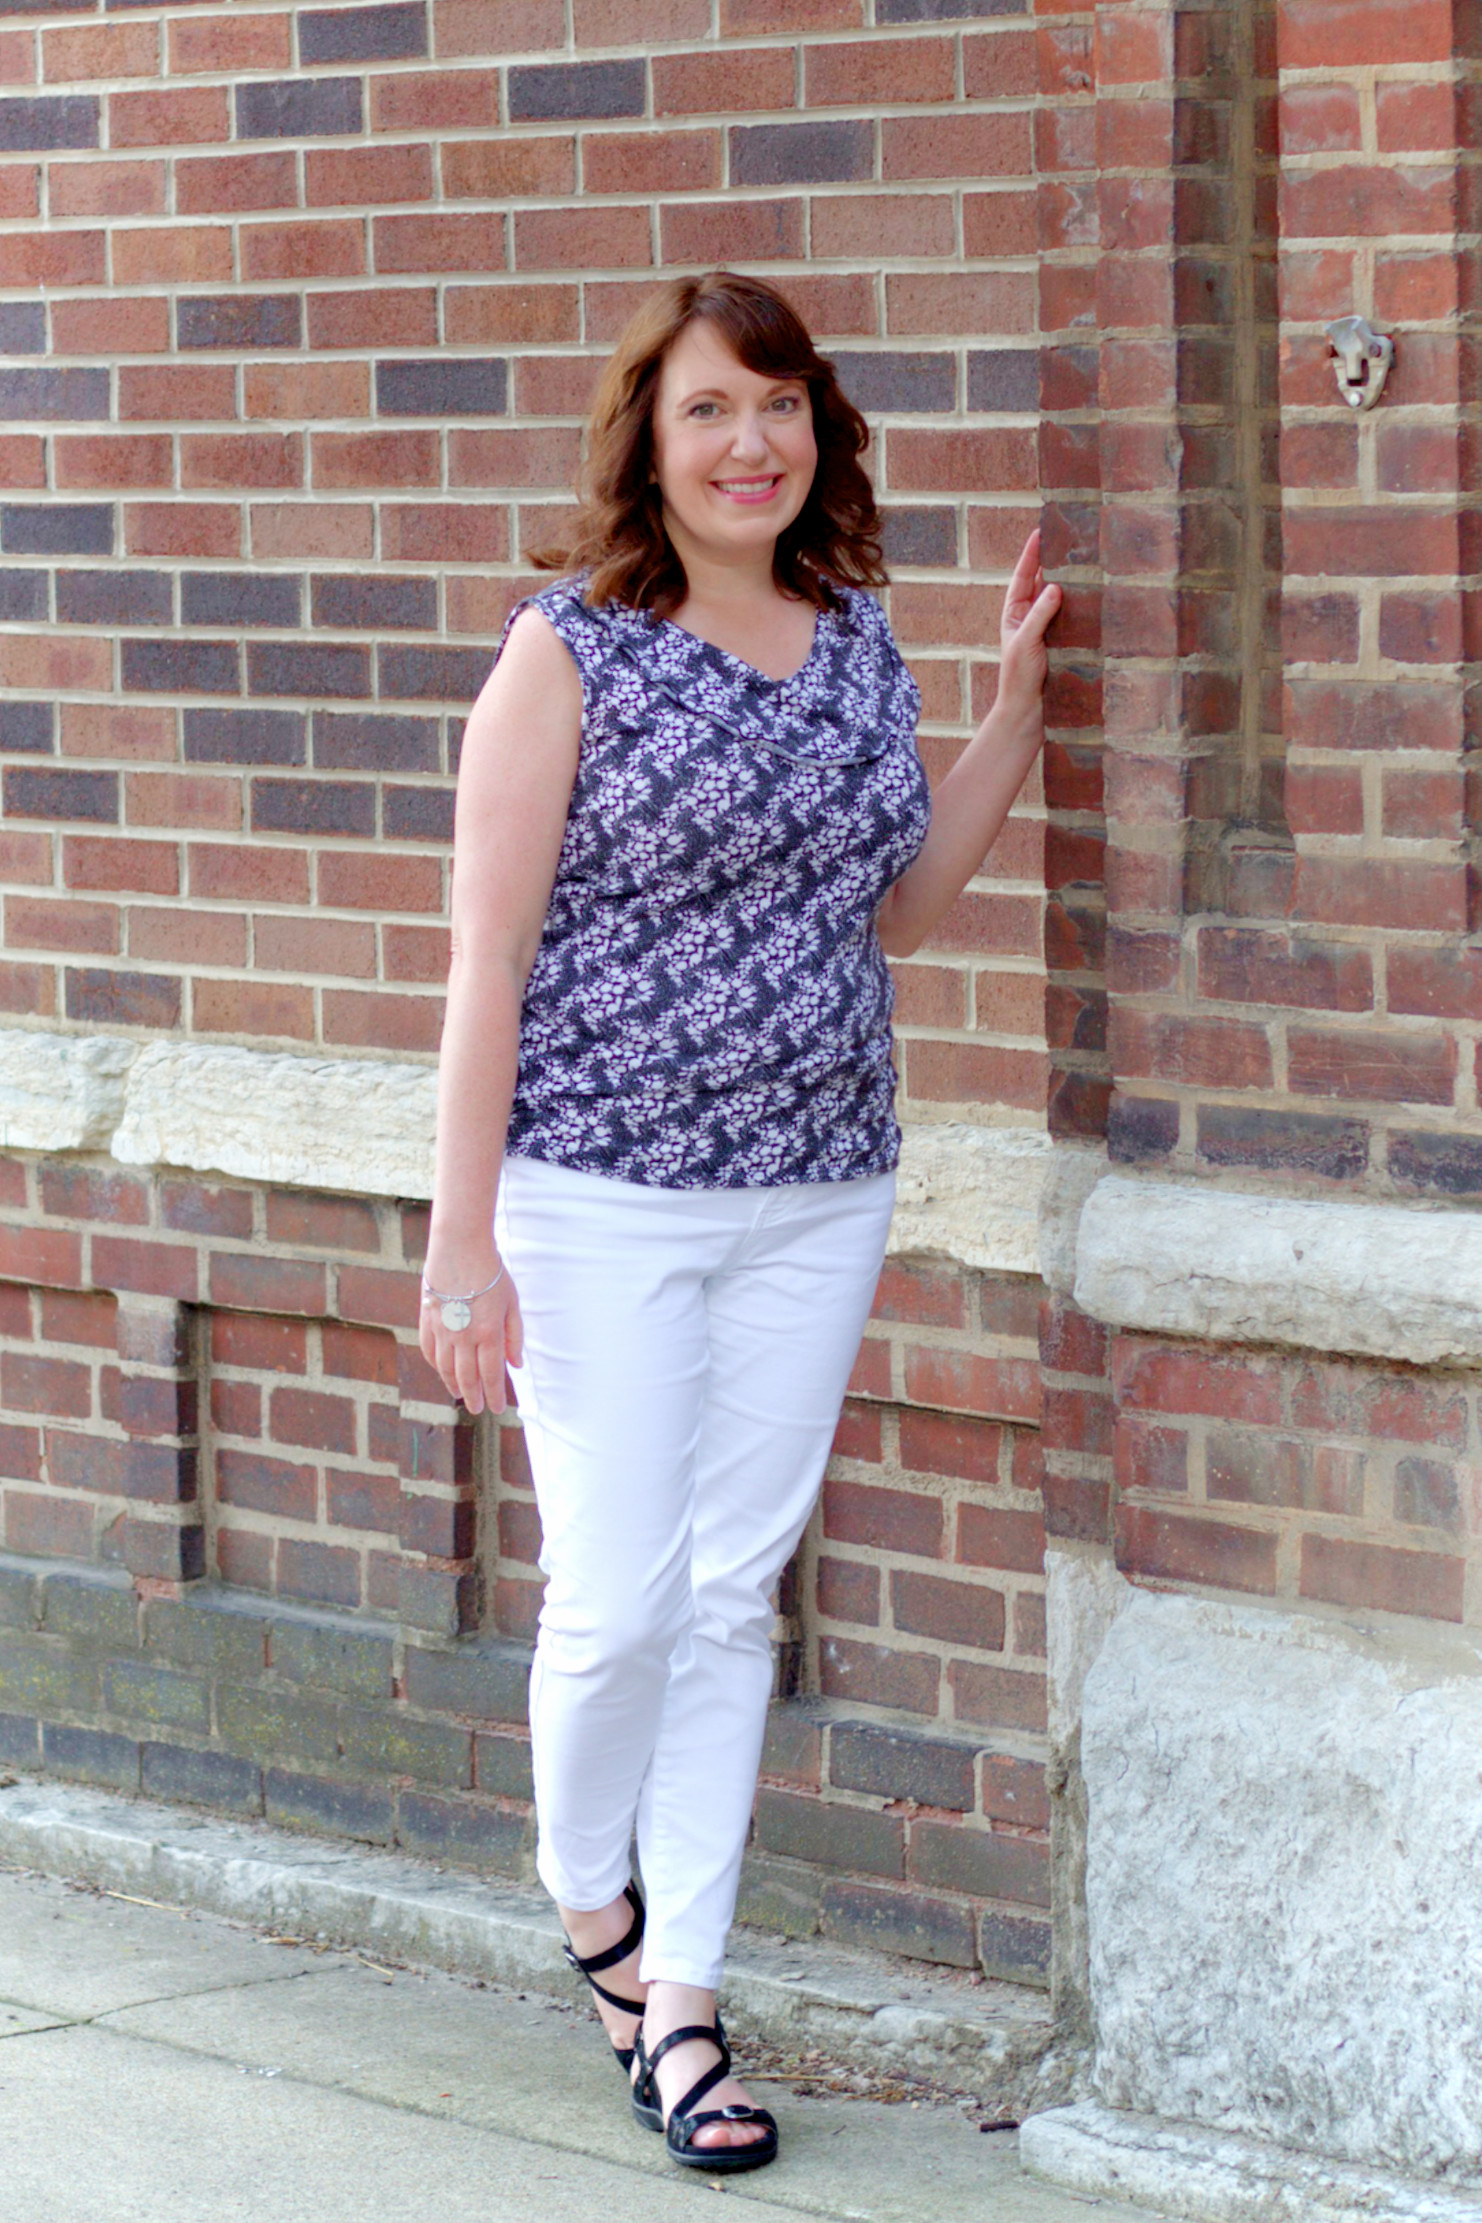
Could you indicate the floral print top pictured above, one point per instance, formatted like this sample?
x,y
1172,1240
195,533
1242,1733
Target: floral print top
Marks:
x,y
710,1006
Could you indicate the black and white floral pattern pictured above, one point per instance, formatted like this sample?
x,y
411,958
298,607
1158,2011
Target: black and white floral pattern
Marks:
x,y
710,1006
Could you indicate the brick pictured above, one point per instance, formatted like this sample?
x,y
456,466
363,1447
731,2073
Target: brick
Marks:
x,y
213,44
69,528
997,1697
983,1862
102,50
444,532
651,162
169,666
231,461
1282,1141
436,100
432,674
313,806
283,668
1347,1573
889,1520
308,529
848,1837
442,387
898,383
404,316
176,390
489,1839
189,115
299,108
440,243
722,84
848,1591
180,254
957,1613
183,529
909,1923
1435,1164
576,89
316,1803
878,1675
238,321
56,395
394,33
231,598
705,231
43,123
800,153
267,1284
221,184
347,742
1181,1549
107,325
151,867
1385,1068
114,459
988,1536
335,249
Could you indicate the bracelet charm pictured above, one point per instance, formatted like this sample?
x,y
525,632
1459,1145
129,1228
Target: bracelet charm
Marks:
x,y
457,1312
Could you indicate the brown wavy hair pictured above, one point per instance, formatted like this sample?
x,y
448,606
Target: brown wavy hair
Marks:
x,y
618,532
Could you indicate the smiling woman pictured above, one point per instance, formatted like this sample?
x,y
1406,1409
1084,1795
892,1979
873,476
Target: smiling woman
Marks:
x,y
690,813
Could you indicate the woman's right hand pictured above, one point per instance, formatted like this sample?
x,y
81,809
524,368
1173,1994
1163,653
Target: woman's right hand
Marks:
x,y
471,1360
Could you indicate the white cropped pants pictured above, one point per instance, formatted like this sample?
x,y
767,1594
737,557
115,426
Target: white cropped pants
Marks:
x,y
686,1356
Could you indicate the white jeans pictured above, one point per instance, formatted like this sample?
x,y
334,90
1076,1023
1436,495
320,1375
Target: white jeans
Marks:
x,y
686,1355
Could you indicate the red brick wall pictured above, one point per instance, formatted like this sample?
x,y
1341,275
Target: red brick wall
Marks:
x,y
298,359
1288,890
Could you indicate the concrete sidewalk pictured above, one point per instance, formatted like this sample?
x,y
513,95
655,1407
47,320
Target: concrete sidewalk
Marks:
x,y
168,2066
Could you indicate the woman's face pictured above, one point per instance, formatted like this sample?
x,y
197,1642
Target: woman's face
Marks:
x,y
734,452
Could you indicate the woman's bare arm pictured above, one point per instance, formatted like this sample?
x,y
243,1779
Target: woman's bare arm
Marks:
x,y
514,789
970,806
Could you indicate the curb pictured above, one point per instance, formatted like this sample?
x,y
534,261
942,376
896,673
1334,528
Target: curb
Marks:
x,y
994,2042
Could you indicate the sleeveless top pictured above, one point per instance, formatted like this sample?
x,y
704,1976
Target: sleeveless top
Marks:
x,y
710,1006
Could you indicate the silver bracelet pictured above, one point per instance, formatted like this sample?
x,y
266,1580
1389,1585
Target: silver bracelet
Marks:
x,y
457,1312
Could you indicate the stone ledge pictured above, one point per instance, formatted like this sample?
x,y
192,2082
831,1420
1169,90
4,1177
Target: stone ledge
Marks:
x,y
993,2041
1211,2176
1373,1279
364,1127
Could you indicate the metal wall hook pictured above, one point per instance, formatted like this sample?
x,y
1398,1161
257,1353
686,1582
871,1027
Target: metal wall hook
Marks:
x,y
1362,360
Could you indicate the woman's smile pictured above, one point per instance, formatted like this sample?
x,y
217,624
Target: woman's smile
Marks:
x,y
749,490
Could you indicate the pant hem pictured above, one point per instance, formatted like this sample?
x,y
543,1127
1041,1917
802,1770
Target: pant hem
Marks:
x,y
705,1976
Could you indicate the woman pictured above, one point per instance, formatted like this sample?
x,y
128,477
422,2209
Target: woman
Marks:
x,y
690,818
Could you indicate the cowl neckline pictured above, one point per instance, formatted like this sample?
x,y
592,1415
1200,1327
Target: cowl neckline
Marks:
x,y
829,711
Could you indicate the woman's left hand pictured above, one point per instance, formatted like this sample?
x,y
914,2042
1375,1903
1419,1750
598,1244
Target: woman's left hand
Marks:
x,y
1023,659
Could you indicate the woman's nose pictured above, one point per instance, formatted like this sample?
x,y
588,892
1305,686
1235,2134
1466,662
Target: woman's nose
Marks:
x,y
750,437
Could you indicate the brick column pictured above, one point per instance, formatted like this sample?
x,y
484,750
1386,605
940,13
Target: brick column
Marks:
x,y
164,1537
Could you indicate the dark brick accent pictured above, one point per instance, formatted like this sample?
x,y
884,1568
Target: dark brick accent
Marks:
x,y
484,1837
779,1895
212,1629
417,813
166,1550
70,120
175,1771
160,1696
1435,1164
20,1741
1140,1127
355,1662
1015,1948
893,1765
905,1922
445,386
240,598
114,598
245,737
433,674
20,1595
240,321
67,529
501,1766
944,11
1284,1141
91,1609
387,34
347,742
32,793
385,1743
339,1809
90,1756
981,1862
850,1837
23,595
269,1724
900,383
313,807
1003,378
299,108
284,668
180,667
481,1681
122,999
368,600
802,153
561,89
22,328
919,536
59,396
47,1680
28,726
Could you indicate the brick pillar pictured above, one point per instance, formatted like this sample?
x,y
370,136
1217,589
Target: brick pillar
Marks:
x,y
164,1537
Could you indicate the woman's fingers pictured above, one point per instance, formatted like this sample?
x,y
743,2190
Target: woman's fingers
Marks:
x,y
1021,586
467,1372
514,1334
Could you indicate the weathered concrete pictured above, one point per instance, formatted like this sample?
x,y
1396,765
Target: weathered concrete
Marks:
x,y
885,2015
161,2066
1285,1812
1380,1280
61,1091
1216,2178
354,1124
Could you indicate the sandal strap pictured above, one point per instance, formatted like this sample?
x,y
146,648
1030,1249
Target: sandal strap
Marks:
x,y
614,1953
683,2126
715,2074
614,1998
712,2033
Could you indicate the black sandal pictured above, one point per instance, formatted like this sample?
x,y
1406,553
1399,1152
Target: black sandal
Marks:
x,y
615,1953
679,2131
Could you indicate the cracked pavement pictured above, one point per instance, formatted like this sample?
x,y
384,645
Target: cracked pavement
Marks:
x,y
163,2066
